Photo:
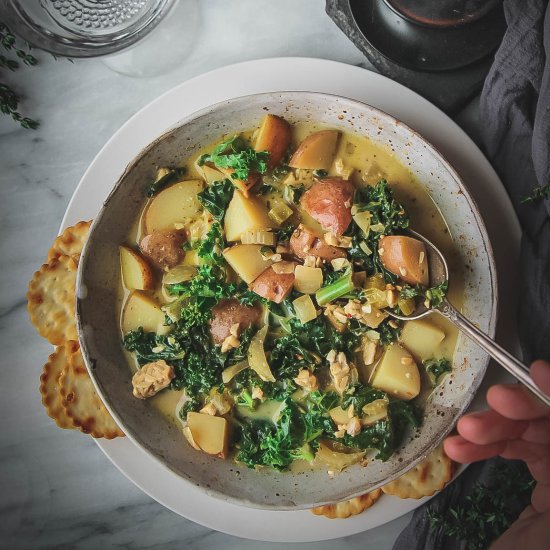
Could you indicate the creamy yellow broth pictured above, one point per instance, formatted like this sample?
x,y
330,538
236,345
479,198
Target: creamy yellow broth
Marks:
x,y
370,162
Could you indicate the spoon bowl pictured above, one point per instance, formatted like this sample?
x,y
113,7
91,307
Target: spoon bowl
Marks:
x,y
439,273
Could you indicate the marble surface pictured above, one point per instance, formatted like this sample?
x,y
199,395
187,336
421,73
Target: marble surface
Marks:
x,y
57,488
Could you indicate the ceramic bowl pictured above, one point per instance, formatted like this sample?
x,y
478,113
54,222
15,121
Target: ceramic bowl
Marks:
x,y
98,313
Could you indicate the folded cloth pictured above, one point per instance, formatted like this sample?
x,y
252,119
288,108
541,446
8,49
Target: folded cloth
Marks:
x,y
515,124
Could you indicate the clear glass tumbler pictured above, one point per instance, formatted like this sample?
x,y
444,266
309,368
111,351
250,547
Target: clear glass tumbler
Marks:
x,y
92,28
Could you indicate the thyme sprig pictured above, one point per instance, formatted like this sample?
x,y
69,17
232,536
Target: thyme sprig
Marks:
x,y
9,100
489,509
539,193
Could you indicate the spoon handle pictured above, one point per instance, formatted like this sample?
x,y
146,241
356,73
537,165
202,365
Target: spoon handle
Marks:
x,y
508,361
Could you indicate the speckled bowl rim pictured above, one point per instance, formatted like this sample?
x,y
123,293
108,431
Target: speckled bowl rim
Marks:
x,y
81,292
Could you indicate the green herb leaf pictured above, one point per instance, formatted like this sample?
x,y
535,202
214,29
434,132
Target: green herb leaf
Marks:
x,y
539,193
173,176
236,154
216,198
437,369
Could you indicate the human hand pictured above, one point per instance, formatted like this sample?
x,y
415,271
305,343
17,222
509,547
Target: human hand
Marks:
x,y
517,426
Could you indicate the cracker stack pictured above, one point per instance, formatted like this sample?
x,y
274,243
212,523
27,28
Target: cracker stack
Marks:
x,y
65,385
426,478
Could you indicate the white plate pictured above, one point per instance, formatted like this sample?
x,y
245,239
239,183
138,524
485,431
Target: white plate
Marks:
x,y
277,75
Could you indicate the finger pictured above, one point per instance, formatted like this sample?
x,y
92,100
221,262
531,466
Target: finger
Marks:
x,y
538,431
540,469
531,533
488,427
517,449
540,499
540,372
527,513
461,450
516,402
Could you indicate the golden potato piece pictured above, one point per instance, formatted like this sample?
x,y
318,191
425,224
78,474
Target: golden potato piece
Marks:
x,y
245,214
427,477
49,384
316,151
405,257
273,286
274,136
71,241
50,300
397,373
348,508
328,201
136,272
210,433
81,402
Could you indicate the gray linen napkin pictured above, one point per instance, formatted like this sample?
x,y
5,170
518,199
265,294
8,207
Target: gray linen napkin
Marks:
x,y
515,122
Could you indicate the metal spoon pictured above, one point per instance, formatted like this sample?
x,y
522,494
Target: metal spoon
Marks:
x,y
439,272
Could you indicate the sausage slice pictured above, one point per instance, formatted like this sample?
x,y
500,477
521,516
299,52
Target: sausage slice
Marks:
x,y
164,247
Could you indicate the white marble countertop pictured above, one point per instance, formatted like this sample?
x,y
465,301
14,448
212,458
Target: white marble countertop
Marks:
x,y
58,489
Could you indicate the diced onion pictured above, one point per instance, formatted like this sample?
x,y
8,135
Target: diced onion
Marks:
x,y
179,274
256,356
280,212
230,372
305,309
258,236
362,219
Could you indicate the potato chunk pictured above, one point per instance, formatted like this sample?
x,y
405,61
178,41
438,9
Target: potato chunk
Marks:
x,y
175,204
308,279
274,137
316,152
304,242
273,286
141,310
397,373
227,313
164,247
421,338
136,272
329,202
246,260
405,257
244,214
210,433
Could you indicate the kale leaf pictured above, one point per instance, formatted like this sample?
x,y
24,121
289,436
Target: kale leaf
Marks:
x,y
216,197
387,215
436,369
236,154
436,294
174,175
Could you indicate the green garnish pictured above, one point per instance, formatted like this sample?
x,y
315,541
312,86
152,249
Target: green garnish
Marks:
x,y
436,369
173,176
284,233
236,154
9,100
539,193
434,295
489,508
216,198
387,215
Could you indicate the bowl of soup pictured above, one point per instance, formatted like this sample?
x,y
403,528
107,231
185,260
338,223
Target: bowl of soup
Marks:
x,y
233,299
